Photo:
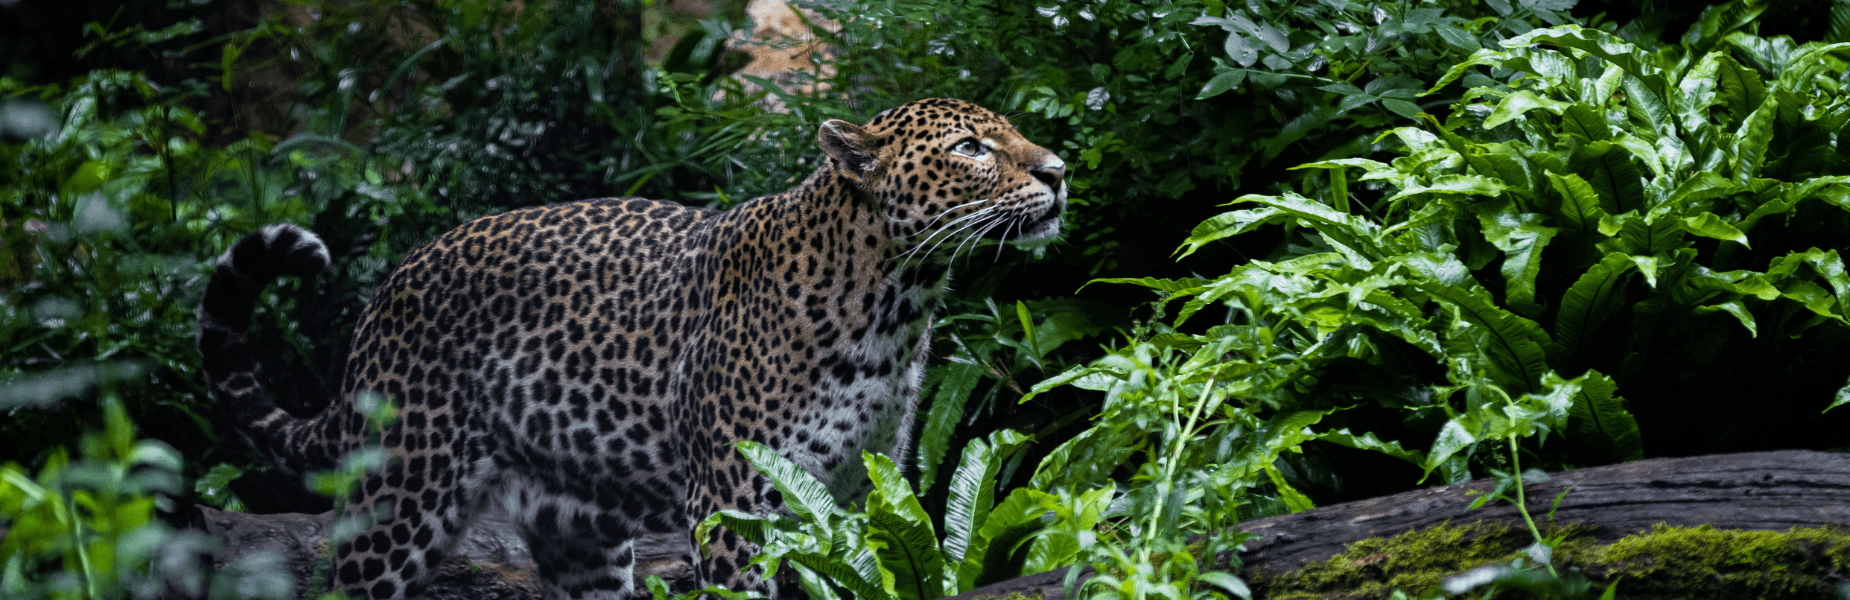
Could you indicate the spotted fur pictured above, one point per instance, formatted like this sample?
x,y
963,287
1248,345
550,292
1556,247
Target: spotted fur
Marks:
x,y
585,366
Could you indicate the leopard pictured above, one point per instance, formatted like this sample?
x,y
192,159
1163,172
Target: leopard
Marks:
x,y
586,368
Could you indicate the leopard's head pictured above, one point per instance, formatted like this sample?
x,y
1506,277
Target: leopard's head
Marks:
x,y
949,174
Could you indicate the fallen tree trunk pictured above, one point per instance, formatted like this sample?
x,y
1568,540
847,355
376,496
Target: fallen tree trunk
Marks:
x,y
1754,491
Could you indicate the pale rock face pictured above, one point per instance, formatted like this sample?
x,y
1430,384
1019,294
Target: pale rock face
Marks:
x,y
781,47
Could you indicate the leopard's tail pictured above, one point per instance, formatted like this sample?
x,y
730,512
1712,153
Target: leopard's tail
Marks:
x,y
230,361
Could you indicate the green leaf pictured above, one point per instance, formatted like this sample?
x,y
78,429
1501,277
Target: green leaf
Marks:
x,y
1183,285
1516,104
1710,226
955,381
999,550
1221,83
1607,167
1512,345
1579,120
1456,184
1368,441
1594,297
900,535
1232,584
1521,237
1226,225
1737,310
842,573
1089,456
1751,140
1580,204
807,498
1452,437
973,489
1605,414
1603,45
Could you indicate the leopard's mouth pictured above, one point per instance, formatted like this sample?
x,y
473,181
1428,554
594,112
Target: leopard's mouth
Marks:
x,y
1046,226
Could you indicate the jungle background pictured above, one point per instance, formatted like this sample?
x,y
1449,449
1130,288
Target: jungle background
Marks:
x,y
1473,237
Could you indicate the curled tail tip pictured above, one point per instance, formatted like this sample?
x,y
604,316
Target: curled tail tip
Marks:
x,y
278,249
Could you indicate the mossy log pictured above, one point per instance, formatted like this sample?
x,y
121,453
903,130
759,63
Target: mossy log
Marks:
x,y
1750,491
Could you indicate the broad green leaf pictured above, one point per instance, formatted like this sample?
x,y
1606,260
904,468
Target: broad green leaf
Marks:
x,y
1843,397
1368,441
749,526
999,550
1594,297
1089,456
973,489
1351,235
1512,344
1710,226
1640,237
1452,437
843,573
1368,166
1737,310
807,498
1456,184
1485,57
1607,167
1605,414
1647,104
1514,172
955,381
1075,373
1221,83
1813,61
1228,582
1601,44
1825,263
1751,140
1521,237
1226,225
1580,204
1702,187
1182,285
900,535
897,492
1748,283
1516,104
1578,119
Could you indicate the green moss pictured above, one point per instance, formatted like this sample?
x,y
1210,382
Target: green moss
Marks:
x,y
1011,596
1702,562
1412,561
1664,563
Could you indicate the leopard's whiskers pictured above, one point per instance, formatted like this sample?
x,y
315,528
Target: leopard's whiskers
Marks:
x,y
927,225
945,229
975,239
981,213
1013,223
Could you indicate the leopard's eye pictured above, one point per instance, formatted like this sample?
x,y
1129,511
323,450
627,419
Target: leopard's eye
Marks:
x,y
971,148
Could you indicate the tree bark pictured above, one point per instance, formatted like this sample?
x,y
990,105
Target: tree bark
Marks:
x,y
1754,491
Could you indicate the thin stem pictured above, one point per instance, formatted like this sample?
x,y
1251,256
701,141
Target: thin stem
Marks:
x,y
1522,503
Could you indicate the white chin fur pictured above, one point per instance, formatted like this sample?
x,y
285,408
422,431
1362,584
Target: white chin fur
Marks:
x,y
1047,231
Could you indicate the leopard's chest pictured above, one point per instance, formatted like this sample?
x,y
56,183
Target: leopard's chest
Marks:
x,y
866,397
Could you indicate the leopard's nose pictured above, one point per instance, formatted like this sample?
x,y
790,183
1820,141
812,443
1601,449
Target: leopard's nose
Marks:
x,y
1050,172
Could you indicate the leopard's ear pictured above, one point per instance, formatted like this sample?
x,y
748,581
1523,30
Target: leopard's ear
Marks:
x,y
852,146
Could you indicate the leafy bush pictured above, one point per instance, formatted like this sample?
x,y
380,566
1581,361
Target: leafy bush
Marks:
x,y
87,528
1586,212
891,550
